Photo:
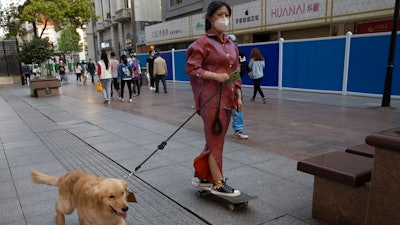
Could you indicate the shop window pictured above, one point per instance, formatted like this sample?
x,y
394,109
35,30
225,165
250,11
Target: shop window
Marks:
x,y
176,2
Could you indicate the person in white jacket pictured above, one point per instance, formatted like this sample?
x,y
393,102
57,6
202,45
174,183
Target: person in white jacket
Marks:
x,y
104,73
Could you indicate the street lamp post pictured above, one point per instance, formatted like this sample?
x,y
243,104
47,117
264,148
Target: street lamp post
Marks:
x,y
389,67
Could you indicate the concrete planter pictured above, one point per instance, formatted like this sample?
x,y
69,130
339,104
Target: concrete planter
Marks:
x,y
384,204
45,86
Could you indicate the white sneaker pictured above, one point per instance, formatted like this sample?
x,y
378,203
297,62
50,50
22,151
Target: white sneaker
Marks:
x,y
130,100
240,135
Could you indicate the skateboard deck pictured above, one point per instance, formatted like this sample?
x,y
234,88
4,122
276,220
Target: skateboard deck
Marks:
x,y
233,202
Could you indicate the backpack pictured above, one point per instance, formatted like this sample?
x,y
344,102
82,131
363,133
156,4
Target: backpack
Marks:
x,y
125,70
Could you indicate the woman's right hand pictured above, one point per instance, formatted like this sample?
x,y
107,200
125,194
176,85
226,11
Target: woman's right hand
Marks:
x,y
221,77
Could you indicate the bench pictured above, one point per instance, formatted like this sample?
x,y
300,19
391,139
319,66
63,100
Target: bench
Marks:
x,y
45,86
341,188
363,150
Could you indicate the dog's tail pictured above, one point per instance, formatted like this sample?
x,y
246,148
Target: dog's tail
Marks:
x,y
41,178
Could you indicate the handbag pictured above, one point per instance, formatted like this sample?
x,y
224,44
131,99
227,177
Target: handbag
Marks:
x,y
135,73
99,86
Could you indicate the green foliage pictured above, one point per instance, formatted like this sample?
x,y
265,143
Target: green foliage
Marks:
x,y
36,51
10,22
76,13
69,41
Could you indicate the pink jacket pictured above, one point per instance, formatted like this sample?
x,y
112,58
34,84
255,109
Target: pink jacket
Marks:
x,y
208,53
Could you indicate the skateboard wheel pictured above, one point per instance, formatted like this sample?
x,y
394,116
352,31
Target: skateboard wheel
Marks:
x,y
231,207
246,203
198,193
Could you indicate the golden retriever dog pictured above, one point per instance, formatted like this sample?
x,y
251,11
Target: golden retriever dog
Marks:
x,y
98,200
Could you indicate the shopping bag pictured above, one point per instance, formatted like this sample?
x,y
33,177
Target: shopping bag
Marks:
x,y
99,86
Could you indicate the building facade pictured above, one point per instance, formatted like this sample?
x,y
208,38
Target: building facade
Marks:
x,y
139,25
120,27
269,20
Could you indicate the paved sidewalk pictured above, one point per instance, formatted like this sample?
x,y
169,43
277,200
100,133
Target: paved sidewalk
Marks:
x,y
76,131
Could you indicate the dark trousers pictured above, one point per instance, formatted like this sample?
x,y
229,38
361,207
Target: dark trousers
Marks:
x,y
152,80
116,84
157,82
257,87
92,75
78,77
27,78
129,84
136,83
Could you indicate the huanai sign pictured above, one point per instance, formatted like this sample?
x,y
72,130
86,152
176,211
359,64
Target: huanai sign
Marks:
x,y
283,11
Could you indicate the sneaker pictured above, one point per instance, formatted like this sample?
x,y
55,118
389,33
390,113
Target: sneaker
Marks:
x,y
224,190
264,100
122,99
130,100
201,183
105,101
252,99
205,183
240,135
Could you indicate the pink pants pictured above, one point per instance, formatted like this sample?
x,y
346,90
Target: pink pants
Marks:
x,y
214,143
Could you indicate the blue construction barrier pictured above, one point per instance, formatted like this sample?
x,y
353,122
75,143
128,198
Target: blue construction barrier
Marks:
x,y
317,65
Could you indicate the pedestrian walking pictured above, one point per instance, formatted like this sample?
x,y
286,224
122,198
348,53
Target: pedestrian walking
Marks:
x,y
91,69
78,73
125,77
257,65
26,74
104,73
238,117
136,77
160,71
150,71
114,73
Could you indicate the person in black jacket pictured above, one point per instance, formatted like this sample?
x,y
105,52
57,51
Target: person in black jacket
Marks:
x,y
91,68
237,117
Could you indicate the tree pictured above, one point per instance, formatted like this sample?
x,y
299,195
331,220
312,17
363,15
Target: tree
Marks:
x,y
11,24
36,51
61,12
68,43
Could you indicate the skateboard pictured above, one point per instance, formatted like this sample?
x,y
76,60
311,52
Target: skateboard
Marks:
x,y
233,202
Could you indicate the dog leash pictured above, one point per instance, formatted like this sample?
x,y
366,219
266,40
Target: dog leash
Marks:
x,y
232,77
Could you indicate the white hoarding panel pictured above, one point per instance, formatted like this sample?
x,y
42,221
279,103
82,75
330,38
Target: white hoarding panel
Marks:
x,y
174,29
247,16
351,9
198,24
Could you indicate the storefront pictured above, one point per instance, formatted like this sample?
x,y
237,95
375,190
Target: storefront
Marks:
x,y
269,20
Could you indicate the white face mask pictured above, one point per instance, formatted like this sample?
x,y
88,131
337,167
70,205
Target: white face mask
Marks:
x,y
221,24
